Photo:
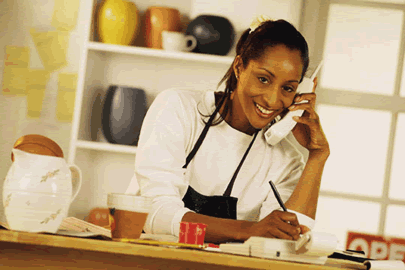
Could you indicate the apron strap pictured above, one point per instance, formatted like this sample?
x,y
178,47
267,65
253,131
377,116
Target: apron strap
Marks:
x,y
228,190
201,138
203,134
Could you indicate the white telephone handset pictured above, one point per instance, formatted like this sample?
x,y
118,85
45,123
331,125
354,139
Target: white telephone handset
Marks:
x,y
280,129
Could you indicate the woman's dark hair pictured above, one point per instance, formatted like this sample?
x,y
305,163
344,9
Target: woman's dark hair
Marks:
x,y
252,46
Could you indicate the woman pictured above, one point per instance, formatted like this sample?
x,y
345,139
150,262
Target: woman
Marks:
x,y
204,158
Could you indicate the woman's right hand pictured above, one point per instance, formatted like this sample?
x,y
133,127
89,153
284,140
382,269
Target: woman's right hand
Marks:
x,y
278,224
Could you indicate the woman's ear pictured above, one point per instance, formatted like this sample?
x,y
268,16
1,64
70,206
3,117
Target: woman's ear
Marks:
x,y
237,64
232,95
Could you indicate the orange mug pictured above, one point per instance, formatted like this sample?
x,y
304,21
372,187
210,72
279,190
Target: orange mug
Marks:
x,y
158,19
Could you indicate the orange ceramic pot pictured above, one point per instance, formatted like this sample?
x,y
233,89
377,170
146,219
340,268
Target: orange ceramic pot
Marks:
x,y
117,22
99,216
158,19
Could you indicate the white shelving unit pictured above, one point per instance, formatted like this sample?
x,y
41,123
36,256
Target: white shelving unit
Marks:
x,y
130,50
109,147
108,167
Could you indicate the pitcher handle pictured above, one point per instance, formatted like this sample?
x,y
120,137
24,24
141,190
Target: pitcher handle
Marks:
x,y
76,180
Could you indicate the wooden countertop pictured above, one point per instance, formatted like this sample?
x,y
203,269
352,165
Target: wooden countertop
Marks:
x,y
155,252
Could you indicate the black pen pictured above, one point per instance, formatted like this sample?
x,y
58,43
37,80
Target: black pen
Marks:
x,y
280,202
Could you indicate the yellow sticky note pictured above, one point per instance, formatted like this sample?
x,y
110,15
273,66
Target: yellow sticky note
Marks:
x,y
65,14
52,47
16,63
66,96
17,56
36,85
15,80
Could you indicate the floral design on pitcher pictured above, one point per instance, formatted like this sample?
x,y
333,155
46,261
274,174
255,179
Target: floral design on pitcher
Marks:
x,y
7,202
51,217
49,174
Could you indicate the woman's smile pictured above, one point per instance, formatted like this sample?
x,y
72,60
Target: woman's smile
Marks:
x,y
263,112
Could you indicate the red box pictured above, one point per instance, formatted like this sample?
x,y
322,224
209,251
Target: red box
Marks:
x,y
377,246
192,233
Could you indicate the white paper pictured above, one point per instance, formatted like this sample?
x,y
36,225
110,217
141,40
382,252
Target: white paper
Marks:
x,y
385,265
78,234
320,244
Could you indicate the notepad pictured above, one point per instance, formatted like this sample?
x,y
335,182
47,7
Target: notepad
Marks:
x,y
314,249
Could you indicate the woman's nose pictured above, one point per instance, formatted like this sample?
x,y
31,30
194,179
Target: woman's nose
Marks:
x,y
274,98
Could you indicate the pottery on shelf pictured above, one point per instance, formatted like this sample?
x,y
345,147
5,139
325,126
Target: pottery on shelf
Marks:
x,y
117,22
124,109
158,19
38,191
214,34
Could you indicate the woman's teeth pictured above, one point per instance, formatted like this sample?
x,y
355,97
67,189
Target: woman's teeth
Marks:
x,y
263,110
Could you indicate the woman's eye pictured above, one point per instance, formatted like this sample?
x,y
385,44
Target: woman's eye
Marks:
x,y
289,89
263,80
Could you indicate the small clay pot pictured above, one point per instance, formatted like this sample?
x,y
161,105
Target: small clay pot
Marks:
x,y
158,19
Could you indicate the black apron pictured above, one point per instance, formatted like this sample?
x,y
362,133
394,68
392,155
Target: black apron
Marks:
x,y
216,206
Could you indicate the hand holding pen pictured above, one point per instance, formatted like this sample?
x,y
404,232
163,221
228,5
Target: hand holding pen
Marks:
x,y
277,224
303,228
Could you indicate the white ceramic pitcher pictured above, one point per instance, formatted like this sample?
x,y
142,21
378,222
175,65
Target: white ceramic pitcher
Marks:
x,y
38,190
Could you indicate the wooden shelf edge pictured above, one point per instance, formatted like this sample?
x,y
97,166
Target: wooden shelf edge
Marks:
x,y
132,50
107,147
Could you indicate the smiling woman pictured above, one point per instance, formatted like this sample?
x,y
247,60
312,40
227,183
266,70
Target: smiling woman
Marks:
x,y
221,177
265,89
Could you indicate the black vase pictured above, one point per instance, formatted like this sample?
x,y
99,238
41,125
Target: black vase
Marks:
x,y
214,34
124,109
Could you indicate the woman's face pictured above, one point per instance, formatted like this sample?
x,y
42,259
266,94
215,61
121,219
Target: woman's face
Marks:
x,y
265,88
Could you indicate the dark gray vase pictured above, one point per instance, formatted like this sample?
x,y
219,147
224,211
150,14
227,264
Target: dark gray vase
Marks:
x,y
214,34
124,109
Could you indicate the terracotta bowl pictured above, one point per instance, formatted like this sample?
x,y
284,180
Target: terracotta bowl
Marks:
x,y
38,144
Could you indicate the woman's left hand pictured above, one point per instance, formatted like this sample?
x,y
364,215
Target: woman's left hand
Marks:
x,y
308,130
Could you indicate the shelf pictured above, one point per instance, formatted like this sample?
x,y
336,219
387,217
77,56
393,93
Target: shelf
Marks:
x,y
132,50
108,147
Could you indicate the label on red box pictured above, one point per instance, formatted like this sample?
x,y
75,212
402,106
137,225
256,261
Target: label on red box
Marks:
x,y
377,247
192,233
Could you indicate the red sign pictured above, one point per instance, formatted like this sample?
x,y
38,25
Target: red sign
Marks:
x,y
377,247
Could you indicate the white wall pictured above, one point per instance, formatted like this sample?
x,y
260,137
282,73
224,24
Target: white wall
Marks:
x,y
18,16
16,19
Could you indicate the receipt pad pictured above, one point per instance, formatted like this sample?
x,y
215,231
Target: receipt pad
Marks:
x,y
312,247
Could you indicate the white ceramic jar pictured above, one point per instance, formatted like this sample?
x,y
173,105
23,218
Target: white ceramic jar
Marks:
x,y
38,190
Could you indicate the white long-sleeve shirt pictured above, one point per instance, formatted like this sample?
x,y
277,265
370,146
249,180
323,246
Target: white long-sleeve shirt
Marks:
x,y
170,129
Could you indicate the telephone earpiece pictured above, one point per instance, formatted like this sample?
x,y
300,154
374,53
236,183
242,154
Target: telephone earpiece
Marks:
x,y
279,130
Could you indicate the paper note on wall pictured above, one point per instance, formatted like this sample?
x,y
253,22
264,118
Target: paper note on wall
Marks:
x,y
36,85
52,48
16,69
65,14
17,56
66,96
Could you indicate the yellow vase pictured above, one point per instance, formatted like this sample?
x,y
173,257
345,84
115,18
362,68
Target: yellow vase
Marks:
x,y
117,22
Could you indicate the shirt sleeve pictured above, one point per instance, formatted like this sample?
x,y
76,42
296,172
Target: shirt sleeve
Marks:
x,y
304,219
159,161
288,174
